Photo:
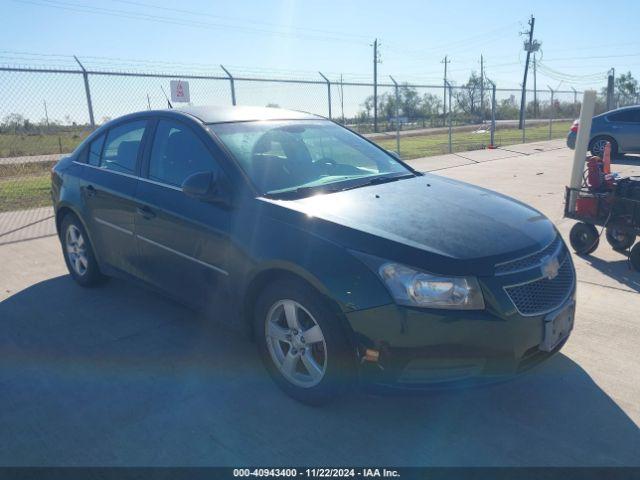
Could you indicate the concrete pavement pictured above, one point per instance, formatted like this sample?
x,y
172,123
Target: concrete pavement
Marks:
x,y
118,375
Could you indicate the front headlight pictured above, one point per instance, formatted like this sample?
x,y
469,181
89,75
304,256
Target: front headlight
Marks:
x,y
419,289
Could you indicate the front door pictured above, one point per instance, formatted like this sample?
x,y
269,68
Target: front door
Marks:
x,y
182,241
626,125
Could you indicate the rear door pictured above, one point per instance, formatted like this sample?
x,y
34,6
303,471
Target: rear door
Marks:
x,y
182,241
108,187
625,126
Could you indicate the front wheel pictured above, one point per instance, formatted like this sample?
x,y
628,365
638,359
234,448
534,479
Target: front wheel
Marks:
x,y
584,238
302,344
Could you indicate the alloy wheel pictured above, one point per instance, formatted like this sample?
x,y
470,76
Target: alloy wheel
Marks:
x,y
598,147
296,343
76,250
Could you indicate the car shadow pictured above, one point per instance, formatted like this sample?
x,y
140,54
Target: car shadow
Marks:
x,y
118,375
626,159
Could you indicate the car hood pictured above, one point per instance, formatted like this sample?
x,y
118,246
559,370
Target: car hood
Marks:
x,y
435,223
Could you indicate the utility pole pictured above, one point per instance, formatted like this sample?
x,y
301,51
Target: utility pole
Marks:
x,y
535,89
376,60
46,114
481,89
530,46
610,89
446,61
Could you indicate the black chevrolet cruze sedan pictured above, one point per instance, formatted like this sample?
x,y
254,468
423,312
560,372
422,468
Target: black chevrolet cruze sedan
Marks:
x,y
341,261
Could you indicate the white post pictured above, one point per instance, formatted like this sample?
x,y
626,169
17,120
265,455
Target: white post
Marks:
x,y
582,143
397,114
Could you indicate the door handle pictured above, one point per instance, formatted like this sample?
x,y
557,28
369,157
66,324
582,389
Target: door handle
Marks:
x,y
91,191
146,212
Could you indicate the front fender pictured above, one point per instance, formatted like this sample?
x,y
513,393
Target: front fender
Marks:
x,y
330,268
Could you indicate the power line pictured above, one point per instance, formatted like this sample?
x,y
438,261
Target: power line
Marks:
x,y
591,57
57,4
240,20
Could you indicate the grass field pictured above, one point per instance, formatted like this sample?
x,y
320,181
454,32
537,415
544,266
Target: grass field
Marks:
x,y
39,144
437,144
25,186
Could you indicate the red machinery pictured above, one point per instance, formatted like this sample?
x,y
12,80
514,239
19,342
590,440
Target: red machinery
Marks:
x,y
608,201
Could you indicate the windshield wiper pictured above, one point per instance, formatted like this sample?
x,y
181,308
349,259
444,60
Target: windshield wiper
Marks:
x,y
336,186
378,181
303,191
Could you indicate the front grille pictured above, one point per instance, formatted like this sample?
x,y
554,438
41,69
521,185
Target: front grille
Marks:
x,y
530,261
543,295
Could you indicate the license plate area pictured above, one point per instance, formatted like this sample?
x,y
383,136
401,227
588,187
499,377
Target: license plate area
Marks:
x,y
557,327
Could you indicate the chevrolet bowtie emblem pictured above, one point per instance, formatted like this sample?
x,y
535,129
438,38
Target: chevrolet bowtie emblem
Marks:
x,y
550,267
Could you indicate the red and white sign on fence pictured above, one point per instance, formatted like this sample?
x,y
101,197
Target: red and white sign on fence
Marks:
x,y
180,91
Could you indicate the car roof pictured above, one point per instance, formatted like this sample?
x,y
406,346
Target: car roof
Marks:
x,y
220,114
621,109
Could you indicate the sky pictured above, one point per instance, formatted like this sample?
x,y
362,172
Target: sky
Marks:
x,y
299,38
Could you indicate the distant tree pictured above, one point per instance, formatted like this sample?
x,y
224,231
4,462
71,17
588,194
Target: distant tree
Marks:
x,y
410,101
506,109
273,105
430,105
625,90
14,122
410,104
468,97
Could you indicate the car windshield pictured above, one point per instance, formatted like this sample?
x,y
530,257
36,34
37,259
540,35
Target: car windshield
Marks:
x,y
302,156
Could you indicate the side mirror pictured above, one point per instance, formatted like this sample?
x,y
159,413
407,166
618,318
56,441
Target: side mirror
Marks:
x,y
394,154
205,186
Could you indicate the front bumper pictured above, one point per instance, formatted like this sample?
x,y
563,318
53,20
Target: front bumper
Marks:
x,y
420,348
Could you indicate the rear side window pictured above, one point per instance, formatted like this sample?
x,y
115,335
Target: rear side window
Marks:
x,y
628,116
177,152
121,147
95,149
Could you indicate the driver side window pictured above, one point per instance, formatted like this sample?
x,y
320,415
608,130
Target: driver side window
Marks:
x,y
177,153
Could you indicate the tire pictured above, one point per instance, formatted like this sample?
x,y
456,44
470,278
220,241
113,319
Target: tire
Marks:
x,y
313,373
584,238
634,257
619,240
596,146
78,253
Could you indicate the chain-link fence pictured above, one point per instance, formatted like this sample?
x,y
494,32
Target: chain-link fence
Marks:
x,y
46,112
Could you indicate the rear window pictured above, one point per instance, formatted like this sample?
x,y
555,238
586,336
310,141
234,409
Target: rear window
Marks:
x,y
121,148
628,116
